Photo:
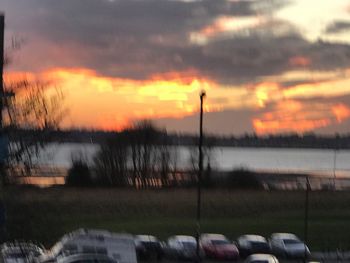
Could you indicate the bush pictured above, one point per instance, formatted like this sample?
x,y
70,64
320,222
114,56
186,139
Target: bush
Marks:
x,y
243,179
79,174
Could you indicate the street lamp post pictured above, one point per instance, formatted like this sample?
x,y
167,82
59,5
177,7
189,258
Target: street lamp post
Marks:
x,y
306,215
200,172
3,145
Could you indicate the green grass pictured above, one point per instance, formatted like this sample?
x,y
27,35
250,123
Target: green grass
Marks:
x,y
46,214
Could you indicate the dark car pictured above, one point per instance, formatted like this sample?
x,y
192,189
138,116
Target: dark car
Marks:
x,y
252,244
148,247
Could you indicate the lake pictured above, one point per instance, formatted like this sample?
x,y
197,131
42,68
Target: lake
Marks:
x,y
318,161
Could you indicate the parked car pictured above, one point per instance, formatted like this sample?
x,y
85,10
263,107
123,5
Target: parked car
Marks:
x,y
217,246
261,258
119,247
182,247
288,245
20,252
85,258
252,244
148,247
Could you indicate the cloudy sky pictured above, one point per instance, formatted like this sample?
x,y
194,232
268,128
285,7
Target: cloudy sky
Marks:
x,y
267,66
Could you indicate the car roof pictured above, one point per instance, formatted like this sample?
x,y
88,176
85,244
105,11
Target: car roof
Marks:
x,y
184,238
284,236
213,236
251,237
83,256
262,257
149,238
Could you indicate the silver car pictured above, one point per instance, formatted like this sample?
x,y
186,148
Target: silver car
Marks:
x,y
288,245
85,258
20,252
182,247
261,258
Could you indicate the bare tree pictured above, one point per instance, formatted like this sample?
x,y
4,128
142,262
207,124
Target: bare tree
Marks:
x,y
208,160
31,113
112,160
144,138
167,160
139,156
30,116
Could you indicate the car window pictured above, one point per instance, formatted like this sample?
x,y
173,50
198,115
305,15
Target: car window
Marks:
x,y
88,249
101,250
189,245
291,241
259,261
220,242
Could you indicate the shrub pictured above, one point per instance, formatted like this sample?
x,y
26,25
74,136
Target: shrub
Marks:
x,y
243,179
79,174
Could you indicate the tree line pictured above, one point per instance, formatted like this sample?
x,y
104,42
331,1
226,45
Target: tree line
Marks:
x,y
143,157
140,156
290,140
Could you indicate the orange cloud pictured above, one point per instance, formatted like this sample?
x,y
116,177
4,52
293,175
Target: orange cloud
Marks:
x,y
265,92
291,115
281,126
341,112
112,103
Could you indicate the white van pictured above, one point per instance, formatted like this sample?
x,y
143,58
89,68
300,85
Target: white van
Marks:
x,y
118,247
20,252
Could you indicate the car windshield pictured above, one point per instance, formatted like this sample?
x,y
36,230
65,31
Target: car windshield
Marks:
x,y
257,244
189,245
291,241
220,242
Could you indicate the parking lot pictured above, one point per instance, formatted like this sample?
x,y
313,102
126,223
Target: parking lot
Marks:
x,y
326,260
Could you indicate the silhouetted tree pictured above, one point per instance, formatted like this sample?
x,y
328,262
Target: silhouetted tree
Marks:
x,y
112,160
79,174
138,156
243,179
30,115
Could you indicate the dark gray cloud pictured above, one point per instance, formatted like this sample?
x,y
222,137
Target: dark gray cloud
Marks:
x,y
335,128
229,121
339,26
136,39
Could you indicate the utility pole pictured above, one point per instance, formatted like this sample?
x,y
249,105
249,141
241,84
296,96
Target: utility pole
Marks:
x,y
3,146
335,162
2,29
200,173
306,215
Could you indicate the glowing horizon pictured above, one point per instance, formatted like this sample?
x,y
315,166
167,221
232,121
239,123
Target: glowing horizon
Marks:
x,y
115,103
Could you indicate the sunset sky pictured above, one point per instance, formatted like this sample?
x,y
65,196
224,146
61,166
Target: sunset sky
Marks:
x,y
267,66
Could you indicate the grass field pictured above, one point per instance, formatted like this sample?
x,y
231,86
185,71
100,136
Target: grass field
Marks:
x,y
45,215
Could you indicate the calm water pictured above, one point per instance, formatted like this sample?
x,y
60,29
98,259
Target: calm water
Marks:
x,y
226,158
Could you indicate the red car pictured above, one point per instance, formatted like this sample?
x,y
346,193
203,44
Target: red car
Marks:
x,y
217,246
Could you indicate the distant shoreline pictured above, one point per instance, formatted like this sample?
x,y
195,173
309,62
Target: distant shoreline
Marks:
x,y
299,141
